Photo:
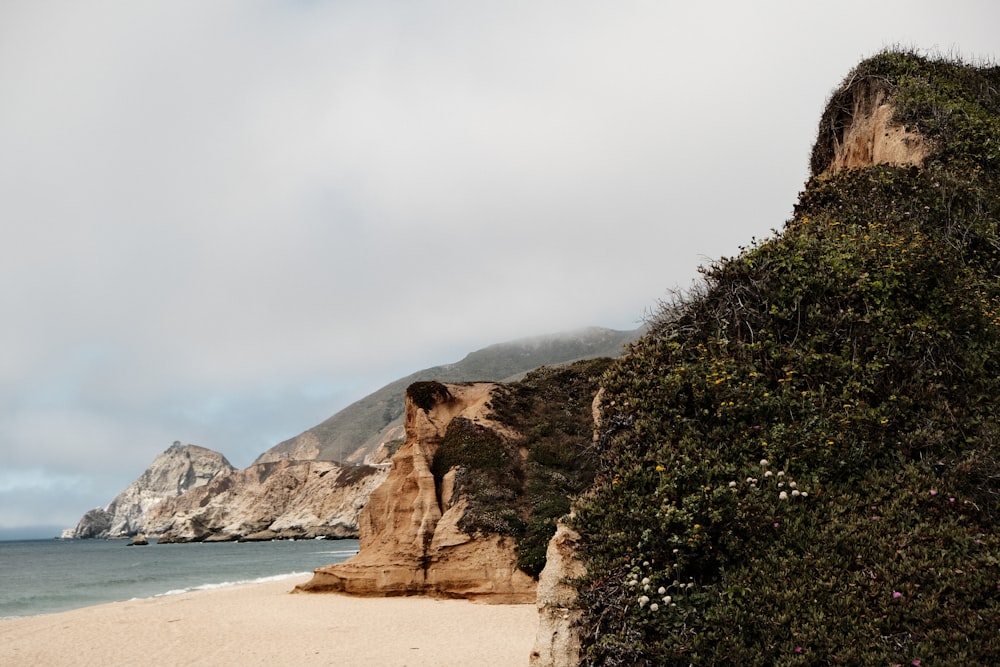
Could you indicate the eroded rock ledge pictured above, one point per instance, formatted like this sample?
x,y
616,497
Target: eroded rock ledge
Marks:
x,y
410,542
859,130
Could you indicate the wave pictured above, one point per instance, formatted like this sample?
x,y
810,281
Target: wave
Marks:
x,y
227,584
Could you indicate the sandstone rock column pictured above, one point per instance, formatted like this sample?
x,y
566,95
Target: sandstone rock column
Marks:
x,y
557,643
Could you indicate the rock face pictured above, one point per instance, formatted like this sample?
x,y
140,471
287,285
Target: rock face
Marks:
x,y
95,523
278,500
410,540
557,643
180,468
858,130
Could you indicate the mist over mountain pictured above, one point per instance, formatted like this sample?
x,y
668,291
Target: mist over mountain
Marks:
x,y
358,430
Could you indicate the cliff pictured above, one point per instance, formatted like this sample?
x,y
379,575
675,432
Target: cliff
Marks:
x,y
410,539
175,471
280,500
362,430
800,461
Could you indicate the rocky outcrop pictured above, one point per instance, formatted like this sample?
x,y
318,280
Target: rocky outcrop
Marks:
x,y
557,643
279,500
410,541
178,469
95,523
858,130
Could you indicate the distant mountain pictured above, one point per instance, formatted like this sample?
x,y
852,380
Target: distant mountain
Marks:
x,y
356,432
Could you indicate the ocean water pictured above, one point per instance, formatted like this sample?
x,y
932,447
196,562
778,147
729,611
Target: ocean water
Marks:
x,y
46,576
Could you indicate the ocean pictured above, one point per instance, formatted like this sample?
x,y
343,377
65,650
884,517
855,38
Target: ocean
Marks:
x,y
47,576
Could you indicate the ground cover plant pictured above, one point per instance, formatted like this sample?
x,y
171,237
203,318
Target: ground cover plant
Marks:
x,y
801,459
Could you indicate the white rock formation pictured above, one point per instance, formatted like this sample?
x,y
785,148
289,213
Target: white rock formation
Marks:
x,y
180,468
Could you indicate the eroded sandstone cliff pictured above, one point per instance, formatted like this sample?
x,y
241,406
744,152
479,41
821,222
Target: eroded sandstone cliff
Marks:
x,y
557,641
859,129
410,538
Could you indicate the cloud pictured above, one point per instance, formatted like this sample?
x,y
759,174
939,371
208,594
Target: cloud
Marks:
x,y
222,223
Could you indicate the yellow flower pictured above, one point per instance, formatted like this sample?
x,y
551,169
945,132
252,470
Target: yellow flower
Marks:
x,y
660,468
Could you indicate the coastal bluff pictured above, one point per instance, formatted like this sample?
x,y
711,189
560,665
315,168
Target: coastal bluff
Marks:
x,y
410,539
277,500
179,469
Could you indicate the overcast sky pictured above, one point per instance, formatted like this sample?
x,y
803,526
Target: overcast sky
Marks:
x,y
221,222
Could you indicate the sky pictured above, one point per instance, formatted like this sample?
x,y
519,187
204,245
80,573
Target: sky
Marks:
x,y
221,223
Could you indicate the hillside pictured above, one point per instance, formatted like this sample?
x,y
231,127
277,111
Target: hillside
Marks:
x,y
801,458
358,430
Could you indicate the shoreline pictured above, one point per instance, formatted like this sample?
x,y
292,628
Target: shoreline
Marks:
x,y
266,624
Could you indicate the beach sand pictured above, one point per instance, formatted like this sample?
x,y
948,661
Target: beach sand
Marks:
x,y
263,624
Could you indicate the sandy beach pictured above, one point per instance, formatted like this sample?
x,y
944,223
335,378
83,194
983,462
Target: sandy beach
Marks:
x,y
263,624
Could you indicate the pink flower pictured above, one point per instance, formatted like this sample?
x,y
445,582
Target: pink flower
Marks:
x,y
798,649
915,663
933,492
951,500
896,595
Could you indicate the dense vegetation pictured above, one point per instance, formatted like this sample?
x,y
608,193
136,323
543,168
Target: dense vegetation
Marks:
x,y
520,486
801,459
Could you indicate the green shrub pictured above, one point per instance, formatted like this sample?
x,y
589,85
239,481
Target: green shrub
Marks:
x,y
801,462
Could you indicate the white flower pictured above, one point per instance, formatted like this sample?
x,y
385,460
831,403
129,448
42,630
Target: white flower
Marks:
x,y
667,599
633,583
796,492
662,590
780,484
781,473
645,587
750,480
767,474
643,600
732,485
782,496
792,484
645,580
763,463
654,607
804,494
